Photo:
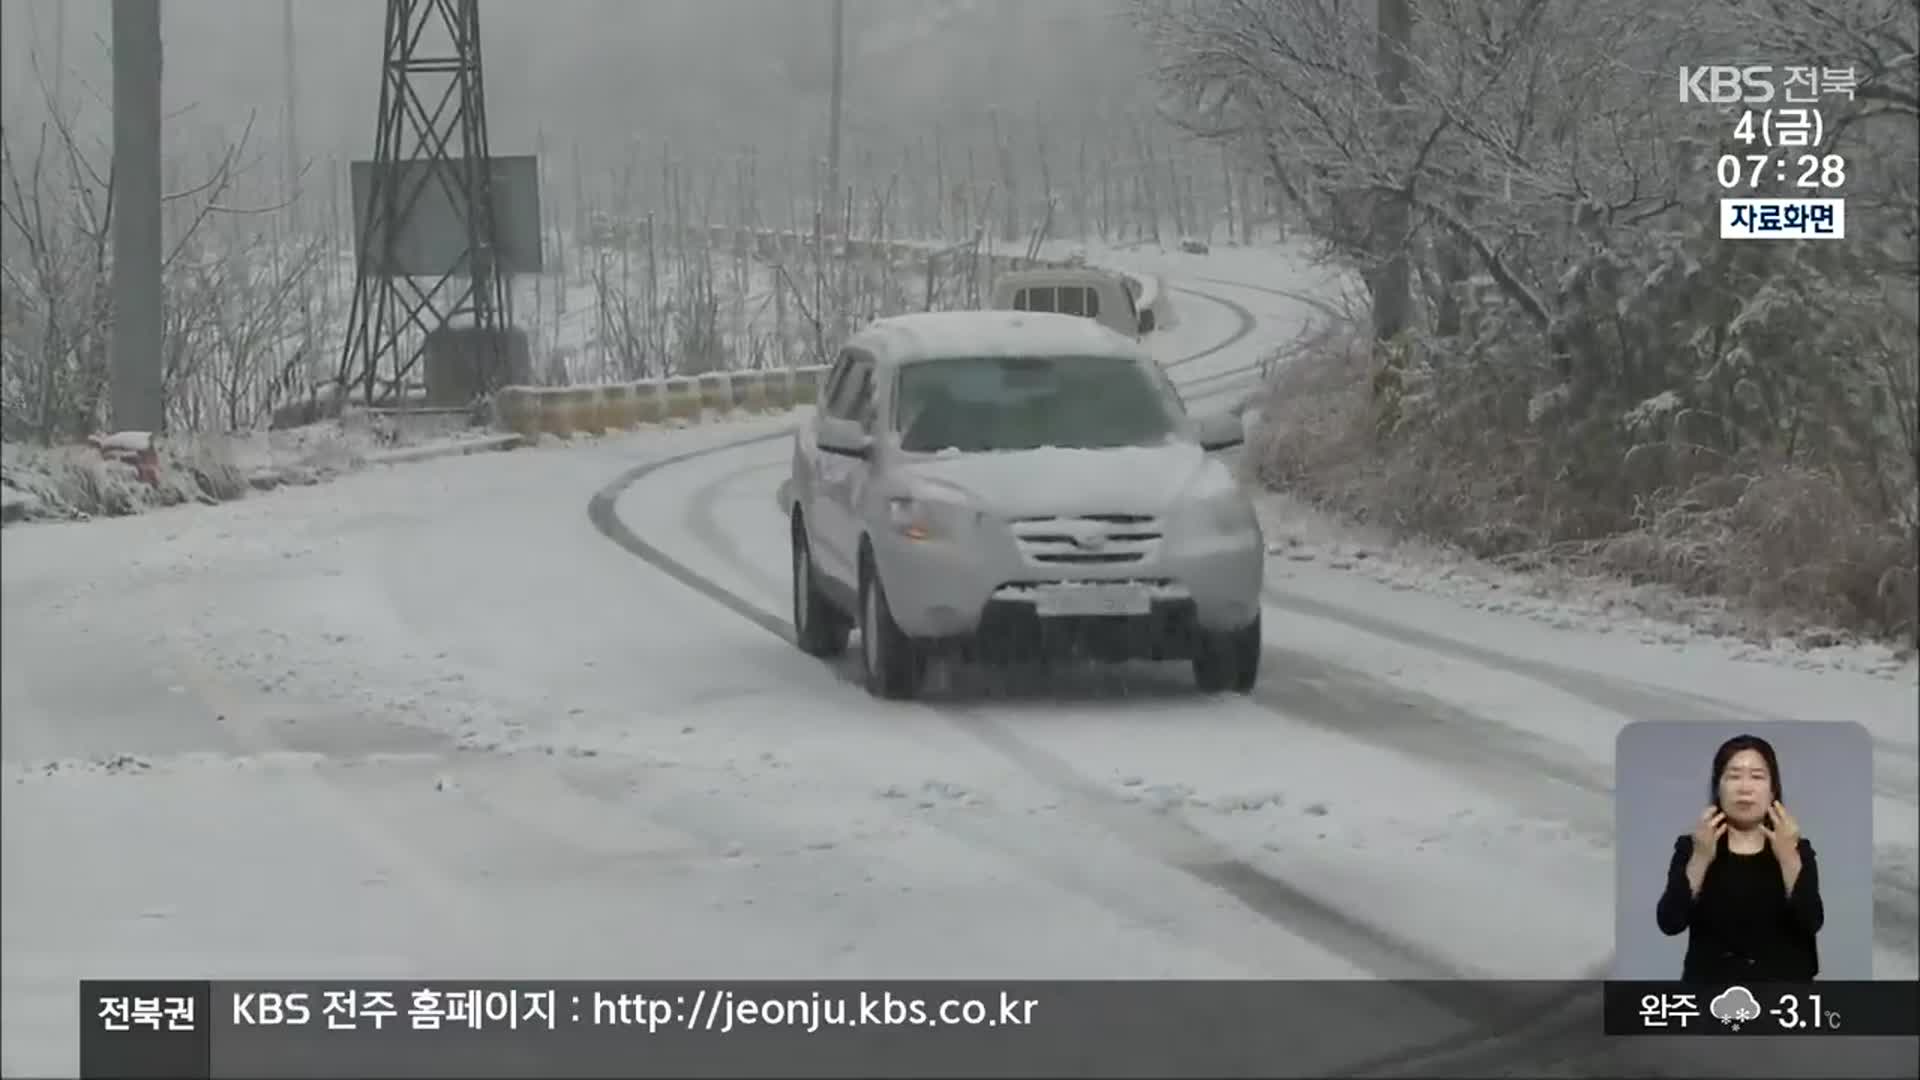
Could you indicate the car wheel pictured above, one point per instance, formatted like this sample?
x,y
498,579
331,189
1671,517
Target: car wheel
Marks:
x,y
1228,661
892,662
819,628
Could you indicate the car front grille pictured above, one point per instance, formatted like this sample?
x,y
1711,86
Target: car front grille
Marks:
x,y
1087,539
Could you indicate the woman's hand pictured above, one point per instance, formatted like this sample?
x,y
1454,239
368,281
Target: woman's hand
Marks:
x,y
1707,834
1782,832
1706,844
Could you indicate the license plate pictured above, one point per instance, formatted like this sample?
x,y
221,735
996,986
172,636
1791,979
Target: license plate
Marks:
x,y
1093,600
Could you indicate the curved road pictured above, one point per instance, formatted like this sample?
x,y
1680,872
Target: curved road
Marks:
x,y
730,547
424,721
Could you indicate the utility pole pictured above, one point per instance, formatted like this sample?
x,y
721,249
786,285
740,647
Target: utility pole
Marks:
x,y
290,126
835,196
1392,218
60,59
137,393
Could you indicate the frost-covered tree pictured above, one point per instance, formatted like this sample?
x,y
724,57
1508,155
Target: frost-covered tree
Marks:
x,y
1587,360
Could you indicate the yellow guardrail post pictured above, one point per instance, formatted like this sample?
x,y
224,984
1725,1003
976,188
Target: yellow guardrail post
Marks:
x,y
683,398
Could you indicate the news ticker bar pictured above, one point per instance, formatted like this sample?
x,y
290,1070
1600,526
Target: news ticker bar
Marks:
x,y
904,1029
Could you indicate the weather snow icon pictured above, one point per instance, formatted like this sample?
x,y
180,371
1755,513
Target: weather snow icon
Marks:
x,y
1734,1006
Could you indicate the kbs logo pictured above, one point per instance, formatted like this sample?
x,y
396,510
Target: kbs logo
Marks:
x,y
270,1009
1725,84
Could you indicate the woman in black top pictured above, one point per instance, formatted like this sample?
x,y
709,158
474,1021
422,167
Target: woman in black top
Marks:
x,y
1745,885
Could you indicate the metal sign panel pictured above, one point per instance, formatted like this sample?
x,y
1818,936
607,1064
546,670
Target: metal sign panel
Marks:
x,y
431,239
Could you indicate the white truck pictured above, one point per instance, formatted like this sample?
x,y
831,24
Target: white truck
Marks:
x,y
1106,298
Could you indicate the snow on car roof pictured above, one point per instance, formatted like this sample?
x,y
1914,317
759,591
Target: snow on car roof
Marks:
x,y
935,334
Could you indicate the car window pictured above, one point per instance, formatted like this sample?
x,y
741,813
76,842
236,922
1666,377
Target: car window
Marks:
x,y
861,408
1039,298
1062,299
834,378
1171,391
998,403
854,391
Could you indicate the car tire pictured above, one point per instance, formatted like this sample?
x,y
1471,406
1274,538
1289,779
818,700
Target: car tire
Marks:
x,y
1228,661
819,628
892,664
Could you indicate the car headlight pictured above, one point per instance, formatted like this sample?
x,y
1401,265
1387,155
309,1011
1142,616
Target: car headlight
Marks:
x,y
1221,513
929,519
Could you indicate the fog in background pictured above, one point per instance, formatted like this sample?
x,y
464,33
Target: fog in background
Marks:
x,y
615,79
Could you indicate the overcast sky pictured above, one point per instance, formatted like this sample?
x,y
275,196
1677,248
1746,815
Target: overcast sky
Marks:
x,y
699,74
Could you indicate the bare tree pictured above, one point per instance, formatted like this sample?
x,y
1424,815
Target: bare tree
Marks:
x,y
56,214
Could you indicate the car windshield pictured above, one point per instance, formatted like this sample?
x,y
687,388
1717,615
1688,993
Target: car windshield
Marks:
x,y
981,404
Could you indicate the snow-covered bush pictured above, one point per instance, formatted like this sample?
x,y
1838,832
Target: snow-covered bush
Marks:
x,y
1572,363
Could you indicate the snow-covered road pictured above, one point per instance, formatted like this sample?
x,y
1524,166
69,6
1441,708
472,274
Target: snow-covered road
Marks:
x,y
429,721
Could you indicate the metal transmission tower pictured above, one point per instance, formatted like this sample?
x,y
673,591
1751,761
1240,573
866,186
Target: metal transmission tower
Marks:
x,y
440,223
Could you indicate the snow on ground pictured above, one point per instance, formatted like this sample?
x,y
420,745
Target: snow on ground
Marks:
x,y
1552,703
1413,784
427,720
1281,792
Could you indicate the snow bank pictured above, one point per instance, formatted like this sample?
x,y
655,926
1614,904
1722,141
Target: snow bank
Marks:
x,y
133,472
77,482
1564,599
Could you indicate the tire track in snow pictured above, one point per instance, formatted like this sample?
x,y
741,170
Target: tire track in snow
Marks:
x,y
705,527
1345,703
1228,874
1171,844
1246,323
1247,376
1314,302
1488,1007
1556,1030
1174,843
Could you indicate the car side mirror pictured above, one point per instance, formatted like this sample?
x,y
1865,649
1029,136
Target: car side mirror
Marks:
x,y
1220,431
1146,321
835,435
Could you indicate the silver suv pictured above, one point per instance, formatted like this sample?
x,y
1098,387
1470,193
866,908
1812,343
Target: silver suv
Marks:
x,y
1007,485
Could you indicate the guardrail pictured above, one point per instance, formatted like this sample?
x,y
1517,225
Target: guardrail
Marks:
x,y
531,411
576,410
